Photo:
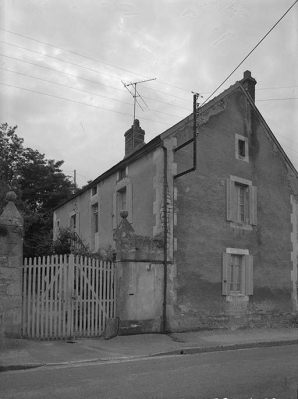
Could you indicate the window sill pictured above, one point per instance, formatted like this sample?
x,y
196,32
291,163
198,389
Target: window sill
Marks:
x,y
232,297
240,225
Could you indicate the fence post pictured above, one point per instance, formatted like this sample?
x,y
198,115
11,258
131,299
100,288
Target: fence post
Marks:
x,y
70,297
11,261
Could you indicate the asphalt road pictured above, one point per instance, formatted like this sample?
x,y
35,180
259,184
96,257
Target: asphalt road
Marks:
x,y
264,373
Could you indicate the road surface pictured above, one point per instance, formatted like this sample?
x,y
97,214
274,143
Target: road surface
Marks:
x,y
263,373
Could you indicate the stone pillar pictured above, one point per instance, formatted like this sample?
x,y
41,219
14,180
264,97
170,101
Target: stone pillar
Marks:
x,y
11,260
140,274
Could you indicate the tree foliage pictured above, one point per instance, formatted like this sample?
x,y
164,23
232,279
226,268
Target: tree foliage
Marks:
x,y
39,184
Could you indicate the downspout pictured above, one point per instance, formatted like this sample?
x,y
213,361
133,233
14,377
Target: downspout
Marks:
x,y
165,247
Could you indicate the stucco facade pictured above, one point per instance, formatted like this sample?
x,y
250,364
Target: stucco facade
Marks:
x,y
231,222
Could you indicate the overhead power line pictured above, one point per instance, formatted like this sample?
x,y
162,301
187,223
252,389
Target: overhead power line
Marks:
x,y
279,99
86,80
83,91
84,67
270,30
90,58
78,102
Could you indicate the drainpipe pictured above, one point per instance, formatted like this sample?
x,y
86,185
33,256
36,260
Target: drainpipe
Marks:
x,y
165,248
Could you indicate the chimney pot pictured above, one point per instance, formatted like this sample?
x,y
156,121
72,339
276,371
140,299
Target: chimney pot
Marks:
x,y
249,83
134,138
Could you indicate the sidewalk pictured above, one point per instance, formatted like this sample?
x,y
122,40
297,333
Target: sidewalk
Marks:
x,y
16,354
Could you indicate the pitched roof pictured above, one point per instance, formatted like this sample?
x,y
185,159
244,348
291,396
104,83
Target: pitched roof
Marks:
x,y
158,140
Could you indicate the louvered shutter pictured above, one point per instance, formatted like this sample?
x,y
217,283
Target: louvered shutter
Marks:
x,y
226,274
248,274
243,276
253,205
230,200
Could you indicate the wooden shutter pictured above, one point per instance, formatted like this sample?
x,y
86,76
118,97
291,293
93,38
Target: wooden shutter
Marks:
x,y
114,212
253,205
129,202
226,274
230,200
243,275
248,274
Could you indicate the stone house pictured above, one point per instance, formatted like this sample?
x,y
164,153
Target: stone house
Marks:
x,y
221,194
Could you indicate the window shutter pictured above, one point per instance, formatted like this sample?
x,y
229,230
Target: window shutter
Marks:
x,y
243,276
253,205
129,202
248,274
226,274
230,190
114,212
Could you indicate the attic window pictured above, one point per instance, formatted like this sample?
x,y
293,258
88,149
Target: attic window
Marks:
x,y
122,174
94,190
241,148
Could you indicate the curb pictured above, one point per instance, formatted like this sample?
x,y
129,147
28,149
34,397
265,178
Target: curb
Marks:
x,y
222,348
183,351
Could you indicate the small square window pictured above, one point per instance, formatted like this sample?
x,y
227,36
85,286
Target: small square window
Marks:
x,y
241,148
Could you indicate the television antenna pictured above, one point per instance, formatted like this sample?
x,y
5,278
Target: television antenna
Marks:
x,y
136,94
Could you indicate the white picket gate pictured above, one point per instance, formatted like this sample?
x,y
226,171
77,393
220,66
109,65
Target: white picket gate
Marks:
x,y
67,296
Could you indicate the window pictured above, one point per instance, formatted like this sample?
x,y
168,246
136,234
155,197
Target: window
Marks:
x,y
241,201
122,174
94,190
95,217
73,222
122,200
241,148
236,269
237,272
241,194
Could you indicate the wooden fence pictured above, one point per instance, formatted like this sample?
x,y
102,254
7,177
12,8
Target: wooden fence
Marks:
x,y
67,296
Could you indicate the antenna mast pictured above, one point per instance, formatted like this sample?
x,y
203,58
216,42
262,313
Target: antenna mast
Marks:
x,y
135,94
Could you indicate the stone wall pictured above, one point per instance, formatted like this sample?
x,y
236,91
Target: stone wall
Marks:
x,y
11,260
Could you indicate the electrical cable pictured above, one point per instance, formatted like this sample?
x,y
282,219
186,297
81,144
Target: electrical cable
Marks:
x,y
87,80
84,91
80,102
90,58
249,53
80,66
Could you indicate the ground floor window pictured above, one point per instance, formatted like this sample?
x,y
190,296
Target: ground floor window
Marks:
x,y
237,272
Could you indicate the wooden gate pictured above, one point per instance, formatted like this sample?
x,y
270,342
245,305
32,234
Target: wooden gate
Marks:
x,y
67,296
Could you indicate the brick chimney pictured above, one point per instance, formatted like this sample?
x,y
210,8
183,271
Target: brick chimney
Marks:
x,y
249,84
134,138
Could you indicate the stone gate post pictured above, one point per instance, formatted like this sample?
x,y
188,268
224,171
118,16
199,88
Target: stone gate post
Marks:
x,y
11,260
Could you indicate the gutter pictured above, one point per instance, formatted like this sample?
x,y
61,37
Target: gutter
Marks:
x,y
165,247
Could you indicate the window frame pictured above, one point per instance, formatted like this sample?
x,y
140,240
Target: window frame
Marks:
x,y
95,217
246,278
93,190
239,138
121,186
250,201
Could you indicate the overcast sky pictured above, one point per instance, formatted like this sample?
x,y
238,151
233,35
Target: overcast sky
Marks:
x,y
91,46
